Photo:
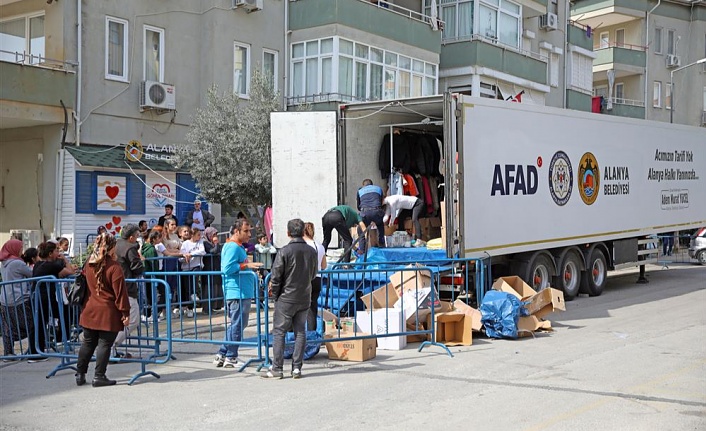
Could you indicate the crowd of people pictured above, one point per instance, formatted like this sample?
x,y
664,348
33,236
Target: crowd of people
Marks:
x,y
111,309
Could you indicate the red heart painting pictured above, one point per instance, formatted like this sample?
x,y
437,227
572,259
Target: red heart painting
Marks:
x,y
117,220
112,191
117,228
109,225
112,232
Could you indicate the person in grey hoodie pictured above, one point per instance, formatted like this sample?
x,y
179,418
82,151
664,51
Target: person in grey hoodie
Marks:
x,y
130,260
292,273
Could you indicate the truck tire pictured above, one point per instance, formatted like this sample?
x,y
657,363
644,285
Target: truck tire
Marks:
x,y
539,272
569,275
596,274
701,257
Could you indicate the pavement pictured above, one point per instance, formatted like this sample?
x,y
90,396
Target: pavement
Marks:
x,y
631,359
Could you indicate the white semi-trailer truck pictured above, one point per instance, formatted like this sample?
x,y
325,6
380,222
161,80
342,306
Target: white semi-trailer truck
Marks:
x,y
556,196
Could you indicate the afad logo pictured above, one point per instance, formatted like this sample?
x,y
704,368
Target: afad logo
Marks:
x,y
589,177
509,179
561,178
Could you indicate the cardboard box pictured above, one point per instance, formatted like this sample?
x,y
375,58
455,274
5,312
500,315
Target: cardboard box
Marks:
x,y
514,285
545,302
417,326
351,350
382,322
415,304
347,324
425,222
411,278
389,230
528,324
384,297
471,312
453,329
435,222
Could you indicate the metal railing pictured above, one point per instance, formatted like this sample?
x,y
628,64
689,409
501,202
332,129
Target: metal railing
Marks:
x,y
620,45
495,41
38,61
403,11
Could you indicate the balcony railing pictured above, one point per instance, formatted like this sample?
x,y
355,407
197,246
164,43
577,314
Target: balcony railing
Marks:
x,y
418,16
494,41
36,60
621,45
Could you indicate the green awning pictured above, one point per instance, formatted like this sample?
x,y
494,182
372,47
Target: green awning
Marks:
x,y
114,157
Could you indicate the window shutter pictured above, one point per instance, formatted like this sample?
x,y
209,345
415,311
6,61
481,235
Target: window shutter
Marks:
x,y
136,194
85,192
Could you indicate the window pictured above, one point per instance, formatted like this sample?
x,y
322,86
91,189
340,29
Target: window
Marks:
x,y
601,91
22,35
581,72
241,69
604,41
500,20
658,40
457,16
657,95
668,96
554,70
671,41
363,72
620,37
619,92
269,67
153,69
109,193
116,61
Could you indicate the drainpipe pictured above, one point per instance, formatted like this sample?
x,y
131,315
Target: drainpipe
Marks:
x,y
285,91
647,53
79,80
566,51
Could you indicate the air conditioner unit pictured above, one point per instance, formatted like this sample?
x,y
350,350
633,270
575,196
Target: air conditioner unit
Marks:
x,y
249,5
29,238
548,21
155,95
673,61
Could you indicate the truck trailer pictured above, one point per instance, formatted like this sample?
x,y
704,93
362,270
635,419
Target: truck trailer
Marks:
x,y
556,196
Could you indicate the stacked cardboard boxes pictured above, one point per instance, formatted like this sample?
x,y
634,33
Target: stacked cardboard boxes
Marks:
x,y
538,304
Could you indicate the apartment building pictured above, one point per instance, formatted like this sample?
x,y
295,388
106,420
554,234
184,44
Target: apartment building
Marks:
x,y
343,50
640,46
97,94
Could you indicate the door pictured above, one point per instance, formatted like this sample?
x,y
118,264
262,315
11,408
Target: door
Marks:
x,y
187,192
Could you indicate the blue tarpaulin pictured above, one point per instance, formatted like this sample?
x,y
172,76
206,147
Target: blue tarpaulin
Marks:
x,y
500,313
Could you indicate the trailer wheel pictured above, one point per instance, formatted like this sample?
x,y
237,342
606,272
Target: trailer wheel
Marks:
x,y
540,272
701,257
569,275
596,274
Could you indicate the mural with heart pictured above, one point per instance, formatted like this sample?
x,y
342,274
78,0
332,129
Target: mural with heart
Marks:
x,y
113,225
160,195
111,193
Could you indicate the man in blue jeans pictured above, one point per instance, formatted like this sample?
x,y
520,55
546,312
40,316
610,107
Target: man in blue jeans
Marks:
x,y
239,290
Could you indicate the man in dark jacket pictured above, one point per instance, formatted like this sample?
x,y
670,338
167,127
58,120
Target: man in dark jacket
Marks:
x,y
199,218
292,272
127,252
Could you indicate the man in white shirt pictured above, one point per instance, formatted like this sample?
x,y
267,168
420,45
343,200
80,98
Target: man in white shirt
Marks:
x,y
198,218
395,203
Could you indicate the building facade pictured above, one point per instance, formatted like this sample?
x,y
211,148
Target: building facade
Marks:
x,y
83,80
642,45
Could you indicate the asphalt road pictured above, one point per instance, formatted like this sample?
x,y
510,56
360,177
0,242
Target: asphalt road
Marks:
x,y
631,359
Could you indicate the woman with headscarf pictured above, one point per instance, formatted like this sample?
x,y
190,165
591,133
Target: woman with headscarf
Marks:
x,y
212,262
106,310
15,304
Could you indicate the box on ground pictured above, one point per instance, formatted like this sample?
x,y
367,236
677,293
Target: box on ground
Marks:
x,y
411,278
351,350
382,322
453,328
546,301
528,324
474,314
515,286
389,230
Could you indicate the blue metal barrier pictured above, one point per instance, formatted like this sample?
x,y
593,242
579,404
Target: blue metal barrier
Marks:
x,y
52,311
17,318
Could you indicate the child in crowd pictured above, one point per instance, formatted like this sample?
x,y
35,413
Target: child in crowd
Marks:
x,y
194,248
265,251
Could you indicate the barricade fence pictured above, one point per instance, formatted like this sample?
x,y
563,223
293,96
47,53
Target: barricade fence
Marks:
x,y
392,303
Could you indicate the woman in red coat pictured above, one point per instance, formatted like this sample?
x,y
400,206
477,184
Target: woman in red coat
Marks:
x,y
106,310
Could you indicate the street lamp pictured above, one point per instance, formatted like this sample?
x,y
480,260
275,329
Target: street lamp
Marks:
x,y
671,85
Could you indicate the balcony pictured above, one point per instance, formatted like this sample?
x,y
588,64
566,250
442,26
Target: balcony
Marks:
x,y
481,52
578,35
392,22
31,95
625,59
627,108
607,13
